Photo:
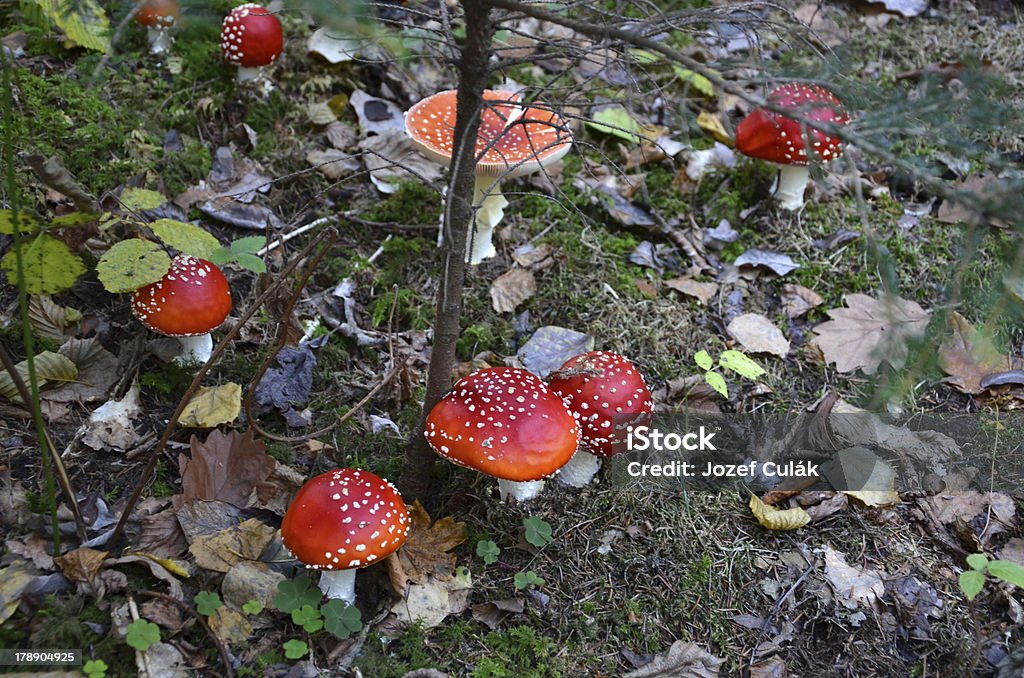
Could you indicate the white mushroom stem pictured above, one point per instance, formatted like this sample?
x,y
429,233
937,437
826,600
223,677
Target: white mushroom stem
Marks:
x,y
195,349
339,585
519,491
792,184
491,205
159,40
248,73
580,470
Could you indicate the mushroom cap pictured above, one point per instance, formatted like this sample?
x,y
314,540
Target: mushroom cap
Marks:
x,y
158,14
514,139
504,422
192,298
344,519
767,135
607,394
251,36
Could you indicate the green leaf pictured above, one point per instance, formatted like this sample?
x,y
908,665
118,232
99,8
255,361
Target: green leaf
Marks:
x,y
95,668
340,619
83,21
142,634
252,607
717,382
308,617
251,262
738,362
977,561
207,602
50,366
131,264
698,81
49,265
248,245
703,360
221,256
616,121
186,238
291,595
971,583
524,579
642,56
26,222
1010,572
141,199
488,550
538,531
295,649
74,219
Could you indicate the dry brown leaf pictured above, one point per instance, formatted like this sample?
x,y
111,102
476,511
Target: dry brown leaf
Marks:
x,y
970,505
227,467
163,612
757,334
230,626
82,564
426,551
870,331
161,534
494,612
682,659
853,586
798,300
435,599
773,667
701,291
250,580
827,507
34,548
534,257
512,288
968,355
1013,551
987,188
775,519
220,551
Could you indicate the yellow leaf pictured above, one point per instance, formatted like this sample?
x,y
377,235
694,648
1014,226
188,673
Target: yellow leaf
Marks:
x,y
213,405
172,565
710,123
776,519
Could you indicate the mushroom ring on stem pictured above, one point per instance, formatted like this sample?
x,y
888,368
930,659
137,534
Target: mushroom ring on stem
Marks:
x,y
342,520
505,423
159,17
251,37
514,139
191,299
609,397
789,143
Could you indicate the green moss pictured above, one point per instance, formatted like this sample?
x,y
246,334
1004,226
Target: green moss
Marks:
x,y
161,485
186,167
412,203
519,652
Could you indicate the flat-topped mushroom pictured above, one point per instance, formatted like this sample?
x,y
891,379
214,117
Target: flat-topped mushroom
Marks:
x,y
343,520
789,143
608,395
251,37
505,423
514,139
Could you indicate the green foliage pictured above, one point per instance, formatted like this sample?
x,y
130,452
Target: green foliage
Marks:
x,y
523,580
49,266
488,550
518,653
537,531
131,264
972,580
252,607
26,223
185,238
293,594
617,121
242,252
341,619
95,668
83,21
735,361
141,199
142,634
308,617
207,602
295,649
412,203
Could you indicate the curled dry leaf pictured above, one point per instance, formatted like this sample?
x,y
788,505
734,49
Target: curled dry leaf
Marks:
x,y
226,467
798,300
701,291
219,552
681,659
778,263
853,586
757,334
775,519
81,564
512,288
549,348
968,355
869,332
427,550
432,601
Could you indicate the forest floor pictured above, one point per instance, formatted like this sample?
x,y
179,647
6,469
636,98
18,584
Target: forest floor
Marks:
x,y
617,252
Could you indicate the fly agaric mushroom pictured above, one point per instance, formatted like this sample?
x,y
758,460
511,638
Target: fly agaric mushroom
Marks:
x,y
252,38
608,396
191,299
779,139
514,139
159,17
505,423
343,520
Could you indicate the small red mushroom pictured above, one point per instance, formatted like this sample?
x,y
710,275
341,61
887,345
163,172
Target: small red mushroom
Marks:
x,y
608,395
343,520
779,139
514,139
159,17
505,423
191,299
251,37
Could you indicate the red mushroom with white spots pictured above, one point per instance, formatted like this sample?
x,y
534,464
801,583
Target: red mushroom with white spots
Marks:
x,y
505,423
251,37
191,299
343,520
159,18
790,143
514,139
608,396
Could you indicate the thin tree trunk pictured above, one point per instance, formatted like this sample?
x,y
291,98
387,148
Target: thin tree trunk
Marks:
x,y
414,481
